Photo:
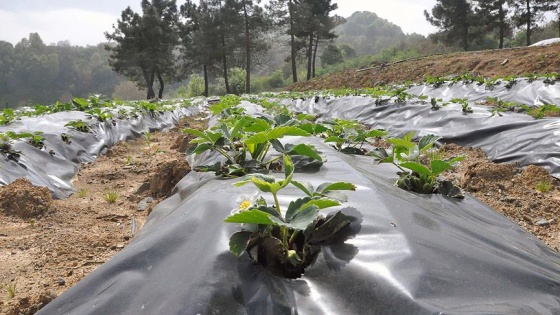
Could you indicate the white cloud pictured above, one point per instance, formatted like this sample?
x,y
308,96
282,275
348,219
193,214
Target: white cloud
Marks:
x,y
80,27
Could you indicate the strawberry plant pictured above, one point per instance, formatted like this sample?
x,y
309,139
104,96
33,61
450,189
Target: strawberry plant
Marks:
x,y
349,136
287,242
418,170
244,142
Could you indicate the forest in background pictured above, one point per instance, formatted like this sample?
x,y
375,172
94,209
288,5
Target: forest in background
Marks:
x,y
32,72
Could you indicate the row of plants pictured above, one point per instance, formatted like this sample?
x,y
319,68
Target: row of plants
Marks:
x,y
384,95
95,107
286,239
97,110
490,83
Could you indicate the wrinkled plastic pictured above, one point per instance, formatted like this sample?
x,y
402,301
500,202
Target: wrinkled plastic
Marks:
x,y
410,254
57,163
511,137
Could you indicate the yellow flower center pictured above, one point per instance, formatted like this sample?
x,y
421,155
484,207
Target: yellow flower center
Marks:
x,y
244,205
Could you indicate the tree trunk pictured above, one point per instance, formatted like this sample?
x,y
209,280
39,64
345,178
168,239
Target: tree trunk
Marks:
x,y
248,50
161,85
315,55
528,2
149,77
224,63
205,70
502,17
292,43
309,55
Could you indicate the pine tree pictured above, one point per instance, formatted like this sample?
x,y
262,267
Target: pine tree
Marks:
x,y
455,21
529,12
143,45
493,15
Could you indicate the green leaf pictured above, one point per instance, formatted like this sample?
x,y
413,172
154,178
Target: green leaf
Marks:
x,y
305,187
238,242
201,148
306,150
417,167
257,138
322,203
235,131
439,166
288,171
335,139
376,133
282,131
294,207
263,185
195,132
251,217
456,160
401,142
248,179
304,116
304,217
257,125
427,142
325,187
277,145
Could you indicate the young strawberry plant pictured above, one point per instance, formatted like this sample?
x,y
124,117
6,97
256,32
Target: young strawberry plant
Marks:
x,y
244,141
349,136
287,242
419,170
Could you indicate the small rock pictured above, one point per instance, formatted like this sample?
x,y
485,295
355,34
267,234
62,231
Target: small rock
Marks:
x,y
69,273
61,281
542,222
143,204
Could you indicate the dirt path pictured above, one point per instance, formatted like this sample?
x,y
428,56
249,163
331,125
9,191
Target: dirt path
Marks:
x,y
42,256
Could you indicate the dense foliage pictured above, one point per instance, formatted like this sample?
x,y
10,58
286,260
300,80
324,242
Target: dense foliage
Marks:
x,y
466,23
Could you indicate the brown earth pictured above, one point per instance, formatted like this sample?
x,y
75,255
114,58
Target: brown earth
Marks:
x,y
48,249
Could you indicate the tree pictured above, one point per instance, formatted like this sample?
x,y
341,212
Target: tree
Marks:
x,y
455,21
529,12
314,24
331,56
144,45
283,13
255,24
493,16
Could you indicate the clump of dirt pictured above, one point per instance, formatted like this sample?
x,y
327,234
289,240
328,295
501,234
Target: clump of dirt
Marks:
x,y
485,175
24,200
167,176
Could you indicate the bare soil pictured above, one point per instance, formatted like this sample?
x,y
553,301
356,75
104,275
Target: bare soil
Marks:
x,y
51,244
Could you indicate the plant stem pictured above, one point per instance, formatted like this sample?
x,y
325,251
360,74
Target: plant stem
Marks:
x,y
283,229
227,156
292,238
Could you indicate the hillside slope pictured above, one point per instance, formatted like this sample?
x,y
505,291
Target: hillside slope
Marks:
x,y
487,63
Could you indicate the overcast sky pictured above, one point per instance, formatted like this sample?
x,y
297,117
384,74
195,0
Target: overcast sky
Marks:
x,y
83,22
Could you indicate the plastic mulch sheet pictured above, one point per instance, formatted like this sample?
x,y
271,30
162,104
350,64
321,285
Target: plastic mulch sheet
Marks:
x,y
57,163
511,137
408,254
